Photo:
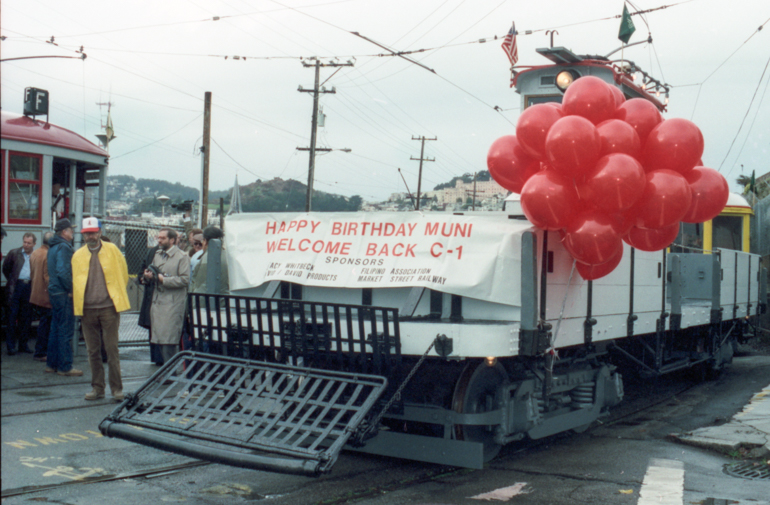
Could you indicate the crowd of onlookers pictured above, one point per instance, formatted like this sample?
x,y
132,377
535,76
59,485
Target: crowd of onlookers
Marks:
x,y
58,284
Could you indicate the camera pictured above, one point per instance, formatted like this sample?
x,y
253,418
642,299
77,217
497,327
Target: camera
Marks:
x,y
155,272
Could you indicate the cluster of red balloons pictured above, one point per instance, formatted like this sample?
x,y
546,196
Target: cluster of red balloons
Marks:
x,y
602,170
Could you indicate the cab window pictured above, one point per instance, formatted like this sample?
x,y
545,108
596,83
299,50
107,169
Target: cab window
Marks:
x,y
728,232
690,238
24,188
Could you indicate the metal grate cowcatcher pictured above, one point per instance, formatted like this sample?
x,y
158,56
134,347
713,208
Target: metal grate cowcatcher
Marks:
x,y
245,413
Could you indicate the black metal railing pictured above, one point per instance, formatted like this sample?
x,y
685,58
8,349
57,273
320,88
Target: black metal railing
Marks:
x,y
329,336
247,413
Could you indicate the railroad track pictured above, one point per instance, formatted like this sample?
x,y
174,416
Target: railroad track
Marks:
x,y
641,396
87,405
146,474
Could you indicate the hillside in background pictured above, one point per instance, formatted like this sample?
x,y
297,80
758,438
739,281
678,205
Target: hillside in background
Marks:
x,y
466,177
277,195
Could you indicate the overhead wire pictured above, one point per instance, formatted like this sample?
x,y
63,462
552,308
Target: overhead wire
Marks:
x,y
206,20
700,84
236,161
157,104
498,109
155,142
751,127
744,118
96,122
407,129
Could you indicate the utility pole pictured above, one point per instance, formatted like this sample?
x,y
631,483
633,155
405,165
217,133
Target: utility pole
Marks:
x,y
411,197
316,91
421,158
205,149
109,131
473,207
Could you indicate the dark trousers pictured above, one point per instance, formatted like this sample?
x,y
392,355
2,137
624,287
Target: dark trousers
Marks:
x,y
100,328
62,330
20,322
155,355
43,330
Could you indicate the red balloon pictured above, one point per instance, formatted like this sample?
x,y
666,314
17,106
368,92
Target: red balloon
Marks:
x,y
641,114
532,128
652,240
615,184
675,144
709,194
619,137
549,200
665,200
572,145
591,98
620,98
509,165
555,104
590,238
593,272
622,222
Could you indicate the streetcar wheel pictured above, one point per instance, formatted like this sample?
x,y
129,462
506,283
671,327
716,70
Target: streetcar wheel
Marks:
x,y
479,390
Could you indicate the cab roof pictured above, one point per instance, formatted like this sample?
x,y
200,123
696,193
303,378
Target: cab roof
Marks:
x,y
25,129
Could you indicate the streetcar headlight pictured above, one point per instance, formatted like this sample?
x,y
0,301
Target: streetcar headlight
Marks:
x,y
491,361
565,78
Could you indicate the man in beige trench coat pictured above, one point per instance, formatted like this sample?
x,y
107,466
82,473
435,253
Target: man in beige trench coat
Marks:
x,y
170,296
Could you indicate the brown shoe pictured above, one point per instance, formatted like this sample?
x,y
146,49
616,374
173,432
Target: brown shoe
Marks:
x,y
74,372
50,370
118,396
94,395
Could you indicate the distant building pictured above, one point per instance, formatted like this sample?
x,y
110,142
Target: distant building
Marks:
x,y
485,190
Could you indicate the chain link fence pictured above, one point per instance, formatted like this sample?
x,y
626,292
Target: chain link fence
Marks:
x,y
135,239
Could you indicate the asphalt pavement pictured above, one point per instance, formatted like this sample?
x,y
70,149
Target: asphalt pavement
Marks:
x,y
50,439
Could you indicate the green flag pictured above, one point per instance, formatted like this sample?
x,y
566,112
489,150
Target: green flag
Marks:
x,y
627,27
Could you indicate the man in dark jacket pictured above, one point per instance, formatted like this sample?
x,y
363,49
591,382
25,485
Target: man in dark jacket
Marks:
x,y
39,296
145,320
17,271
60,293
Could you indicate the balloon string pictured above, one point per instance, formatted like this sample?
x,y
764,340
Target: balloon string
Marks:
x,y
552,349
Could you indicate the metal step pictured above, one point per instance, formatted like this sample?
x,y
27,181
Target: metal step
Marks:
x,y
245,413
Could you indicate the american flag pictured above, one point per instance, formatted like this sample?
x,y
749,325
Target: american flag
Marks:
x,y
509,45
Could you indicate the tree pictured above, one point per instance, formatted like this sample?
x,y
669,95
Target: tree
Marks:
x,y
761,188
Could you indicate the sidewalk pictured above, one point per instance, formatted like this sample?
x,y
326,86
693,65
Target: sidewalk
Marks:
x,y
22,370
748,430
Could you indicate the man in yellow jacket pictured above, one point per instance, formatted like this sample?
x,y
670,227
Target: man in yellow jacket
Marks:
x,y
99,279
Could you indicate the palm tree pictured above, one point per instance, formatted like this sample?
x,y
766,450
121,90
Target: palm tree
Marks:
x,y
761,188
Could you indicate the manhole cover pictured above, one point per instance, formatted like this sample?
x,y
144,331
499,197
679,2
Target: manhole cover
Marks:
x,y
749,470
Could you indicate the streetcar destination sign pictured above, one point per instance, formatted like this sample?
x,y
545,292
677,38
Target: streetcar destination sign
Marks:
x,y
35,102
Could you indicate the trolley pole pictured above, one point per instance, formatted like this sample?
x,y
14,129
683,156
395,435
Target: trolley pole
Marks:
x,y
317,89
421,159
204,206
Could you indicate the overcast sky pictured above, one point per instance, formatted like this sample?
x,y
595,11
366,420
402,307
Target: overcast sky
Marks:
x,y
154,60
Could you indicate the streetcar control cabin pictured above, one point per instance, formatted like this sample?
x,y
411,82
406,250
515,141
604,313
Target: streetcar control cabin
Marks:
x,y
48,173
547,83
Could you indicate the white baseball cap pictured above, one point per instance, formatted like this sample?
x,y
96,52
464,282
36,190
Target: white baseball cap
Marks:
x,y
90,224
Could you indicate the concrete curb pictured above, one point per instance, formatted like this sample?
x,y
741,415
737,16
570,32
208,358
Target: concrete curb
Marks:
x,y
749,430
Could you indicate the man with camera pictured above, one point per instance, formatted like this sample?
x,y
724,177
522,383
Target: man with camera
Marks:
x,y
170,272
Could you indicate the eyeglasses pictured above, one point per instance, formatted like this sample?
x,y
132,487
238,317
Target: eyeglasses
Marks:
x,y
198,243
